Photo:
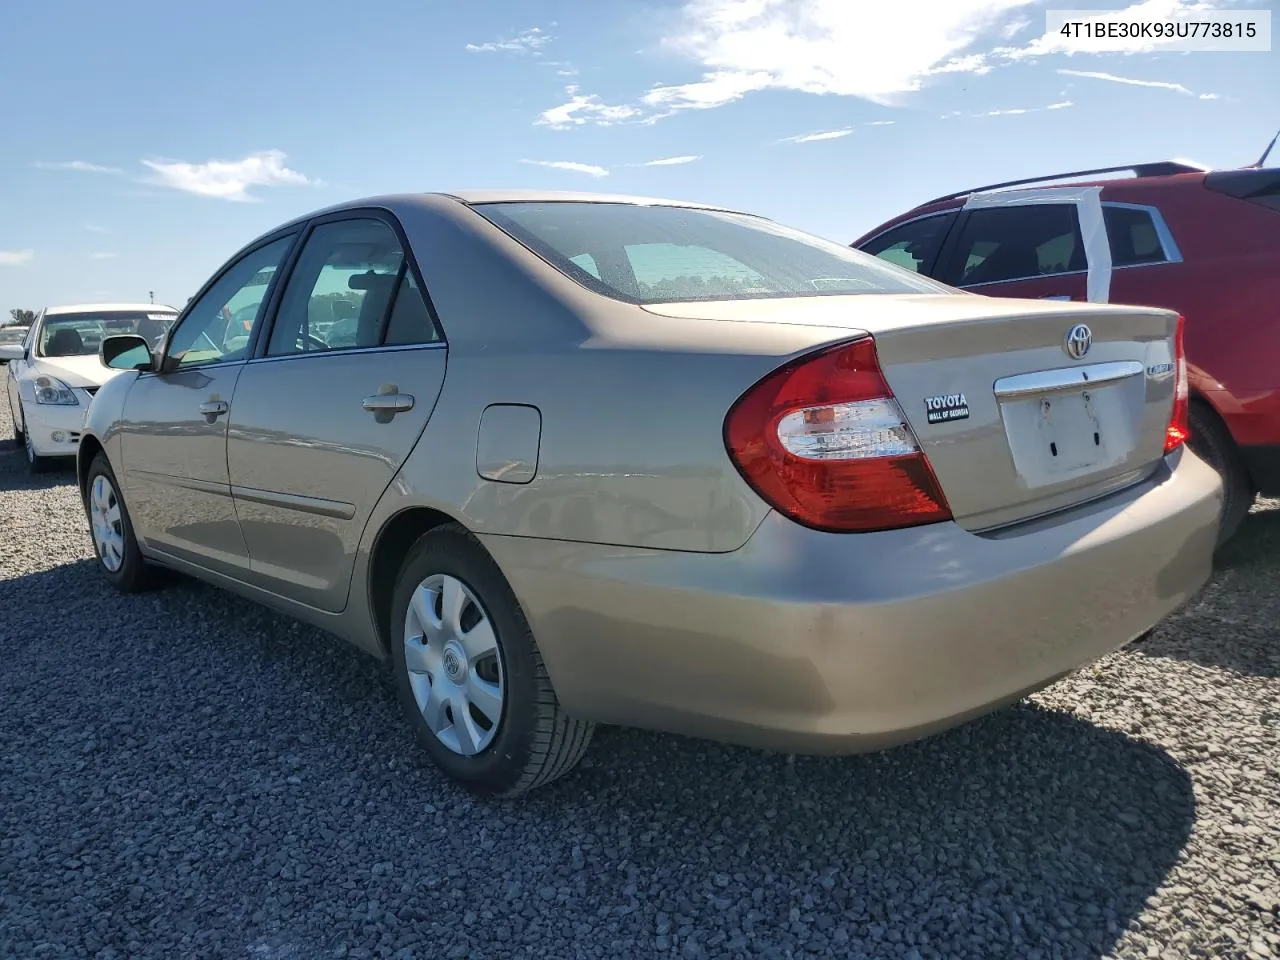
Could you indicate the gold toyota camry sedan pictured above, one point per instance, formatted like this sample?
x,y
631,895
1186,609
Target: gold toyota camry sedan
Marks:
x,y
567,459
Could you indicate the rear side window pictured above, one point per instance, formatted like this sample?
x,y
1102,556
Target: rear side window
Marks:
x,y
1133,236
913,246
351,289
653,253
1000,244
410,321
340,290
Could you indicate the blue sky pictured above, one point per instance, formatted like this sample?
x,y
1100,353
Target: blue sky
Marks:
x,y
146,141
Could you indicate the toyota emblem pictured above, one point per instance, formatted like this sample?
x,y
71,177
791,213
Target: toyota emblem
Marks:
x,y
1079,340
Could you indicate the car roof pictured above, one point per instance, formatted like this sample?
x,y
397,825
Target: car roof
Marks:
x,y
1140,171
1154,172
400,201
110,308
569,196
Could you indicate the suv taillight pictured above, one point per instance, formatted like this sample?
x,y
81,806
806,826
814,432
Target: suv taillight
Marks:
x,y
1179,428
824,442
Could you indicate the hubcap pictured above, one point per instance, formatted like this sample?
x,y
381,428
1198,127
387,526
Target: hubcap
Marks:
x,y
108,528
455,670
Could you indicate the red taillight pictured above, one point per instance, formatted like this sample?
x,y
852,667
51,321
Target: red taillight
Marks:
x,y
1179,428
824,442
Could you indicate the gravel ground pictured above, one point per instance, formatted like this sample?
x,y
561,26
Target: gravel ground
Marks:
x,y
186,774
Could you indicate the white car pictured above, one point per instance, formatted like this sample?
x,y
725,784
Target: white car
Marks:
x,y
55,371
13,334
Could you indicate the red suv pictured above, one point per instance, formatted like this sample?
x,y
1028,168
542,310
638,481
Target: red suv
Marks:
x,y
1203,242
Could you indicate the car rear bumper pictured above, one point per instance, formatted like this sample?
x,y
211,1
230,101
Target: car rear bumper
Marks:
x,y
825,643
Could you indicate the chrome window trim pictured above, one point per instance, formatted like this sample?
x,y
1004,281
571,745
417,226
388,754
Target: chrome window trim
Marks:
x,y
347,351
1172,254
1038,276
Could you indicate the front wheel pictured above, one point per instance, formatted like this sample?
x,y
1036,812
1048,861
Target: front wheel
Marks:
x,y
114,542
469,674
35,462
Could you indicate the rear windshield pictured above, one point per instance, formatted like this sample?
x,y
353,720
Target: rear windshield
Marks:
x,y
657,254
79,334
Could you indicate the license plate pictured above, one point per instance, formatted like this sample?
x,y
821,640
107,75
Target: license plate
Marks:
x,y
1056,436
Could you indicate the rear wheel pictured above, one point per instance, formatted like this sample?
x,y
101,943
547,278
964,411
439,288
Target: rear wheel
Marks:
x,y
469,674
1212,443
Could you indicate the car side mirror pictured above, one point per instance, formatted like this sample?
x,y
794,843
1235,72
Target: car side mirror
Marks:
x,y
11,351
125,351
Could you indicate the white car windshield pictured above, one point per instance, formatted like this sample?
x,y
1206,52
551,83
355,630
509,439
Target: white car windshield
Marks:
x,y
79,334
653,253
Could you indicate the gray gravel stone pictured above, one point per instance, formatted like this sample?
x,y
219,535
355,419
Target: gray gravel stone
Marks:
x,y
187,774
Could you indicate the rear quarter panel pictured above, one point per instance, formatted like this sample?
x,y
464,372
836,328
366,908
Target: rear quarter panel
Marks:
x,y
632,405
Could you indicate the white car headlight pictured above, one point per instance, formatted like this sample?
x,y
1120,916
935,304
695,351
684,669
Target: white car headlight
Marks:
x,y
52,390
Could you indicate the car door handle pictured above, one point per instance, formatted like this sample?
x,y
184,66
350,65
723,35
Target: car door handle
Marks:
x,y
213,409
389,403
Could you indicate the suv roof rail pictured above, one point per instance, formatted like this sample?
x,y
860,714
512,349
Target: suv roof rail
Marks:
x,y
1156,168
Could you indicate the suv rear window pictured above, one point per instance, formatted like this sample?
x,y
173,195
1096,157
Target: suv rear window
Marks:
x,y
654,254
1133,236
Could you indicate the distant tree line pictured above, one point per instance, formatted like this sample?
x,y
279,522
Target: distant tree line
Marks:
x,y
21,318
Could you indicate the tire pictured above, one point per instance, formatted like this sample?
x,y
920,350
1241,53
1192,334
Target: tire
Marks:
x,y
133,574
1211,442
35,462
531,741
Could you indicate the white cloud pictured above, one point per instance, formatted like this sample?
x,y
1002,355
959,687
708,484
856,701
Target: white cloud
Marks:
x,y
671,161
878,53
561,67
1210,96
584,109
80,166
715,89
1112,78
229,179
571,165
882,123
16,258
526,42
94,228
102,255
820,135
1008,112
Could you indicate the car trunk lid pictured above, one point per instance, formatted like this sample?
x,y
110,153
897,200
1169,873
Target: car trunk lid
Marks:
x,y
1017,416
